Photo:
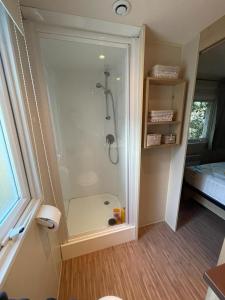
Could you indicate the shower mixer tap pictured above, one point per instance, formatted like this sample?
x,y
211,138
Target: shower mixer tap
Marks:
x,y
110,139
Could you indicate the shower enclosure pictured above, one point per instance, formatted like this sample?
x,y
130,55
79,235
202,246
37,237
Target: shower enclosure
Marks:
x,y
88,76
88,95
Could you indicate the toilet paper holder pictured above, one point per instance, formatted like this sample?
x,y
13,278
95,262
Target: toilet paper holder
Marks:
x,y
49,217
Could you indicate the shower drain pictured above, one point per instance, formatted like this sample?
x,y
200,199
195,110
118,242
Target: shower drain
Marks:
x,y
106,202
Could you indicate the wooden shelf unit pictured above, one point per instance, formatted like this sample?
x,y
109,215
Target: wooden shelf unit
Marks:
x,y
164,94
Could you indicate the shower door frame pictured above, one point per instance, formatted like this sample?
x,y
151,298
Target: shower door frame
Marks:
x,y
103,42
133,98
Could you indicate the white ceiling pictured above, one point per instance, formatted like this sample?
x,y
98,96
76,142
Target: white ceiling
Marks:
x,y
171,20
212,63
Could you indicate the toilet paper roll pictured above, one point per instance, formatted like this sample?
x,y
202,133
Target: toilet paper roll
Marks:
x,y
49,217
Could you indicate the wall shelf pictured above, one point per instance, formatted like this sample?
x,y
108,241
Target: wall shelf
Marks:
x,y
163,123
161,146
164,94
164,81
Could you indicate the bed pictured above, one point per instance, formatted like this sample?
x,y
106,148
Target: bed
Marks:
x,y
208,180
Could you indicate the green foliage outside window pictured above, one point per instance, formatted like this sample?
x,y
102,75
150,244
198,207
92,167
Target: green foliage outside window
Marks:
x,y
199,120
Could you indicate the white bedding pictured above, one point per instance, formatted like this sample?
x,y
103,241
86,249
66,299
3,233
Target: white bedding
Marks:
x,y
209,178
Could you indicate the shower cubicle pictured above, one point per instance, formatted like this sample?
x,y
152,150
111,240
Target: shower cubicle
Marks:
x,y
90,86
89,108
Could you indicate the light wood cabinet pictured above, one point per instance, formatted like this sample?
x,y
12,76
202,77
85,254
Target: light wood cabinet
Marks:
x,y
164,94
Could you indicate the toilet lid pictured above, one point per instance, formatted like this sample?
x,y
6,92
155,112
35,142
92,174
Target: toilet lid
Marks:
x,y
110,298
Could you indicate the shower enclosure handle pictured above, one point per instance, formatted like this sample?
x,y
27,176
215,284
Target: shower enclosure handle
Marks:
x,y
110,139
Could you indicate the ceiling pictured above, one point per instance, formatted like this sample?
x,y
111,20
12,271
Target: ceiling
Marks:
x,y
171,20
212,63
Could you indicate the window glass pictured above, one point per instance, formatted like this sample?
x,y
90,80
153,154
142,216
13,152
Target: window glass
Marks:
x,y
201,120
14,189
8,190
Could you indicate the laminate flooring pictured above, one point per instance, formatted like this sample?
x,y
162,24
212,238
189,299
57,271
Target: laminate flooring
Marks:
x,y
162,264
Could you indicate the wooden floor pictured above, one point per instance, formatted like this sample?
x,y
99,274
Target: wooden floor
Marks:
x,y
160,265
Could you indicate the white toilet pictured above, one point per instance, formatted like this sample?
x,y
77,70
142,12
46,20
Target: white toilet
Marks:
x,y
110,298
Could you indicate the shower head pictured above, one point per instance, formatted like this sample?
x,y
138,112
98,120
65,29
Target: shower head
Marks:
x,y
107,74
99,85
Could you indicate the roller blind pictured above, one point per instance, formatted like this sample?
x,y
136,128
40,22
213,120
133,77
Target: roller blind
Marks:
x,y
13,9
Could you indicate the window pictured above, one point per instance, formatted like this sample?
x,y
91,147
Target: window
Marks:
x,y
14,192
9,192
202,116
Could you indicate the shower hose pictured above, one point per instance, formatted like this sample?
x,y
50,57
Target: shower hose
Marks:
x,y
116,161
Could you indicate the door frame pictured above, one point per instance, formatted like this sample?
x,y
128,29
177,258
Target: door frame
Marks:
x,y
210,36
136,45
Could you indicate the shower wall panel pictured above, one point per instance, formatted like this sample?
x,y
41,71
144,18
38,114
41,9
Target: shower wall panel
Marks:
x,y
80,110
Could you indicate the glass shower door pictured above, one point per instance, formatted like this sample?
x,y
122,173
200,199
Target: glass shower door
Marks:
x,y
88,99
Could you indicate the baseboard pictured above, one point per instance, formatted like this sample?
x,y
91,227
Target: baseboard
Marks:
x,y
215,209
151,223
93,242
